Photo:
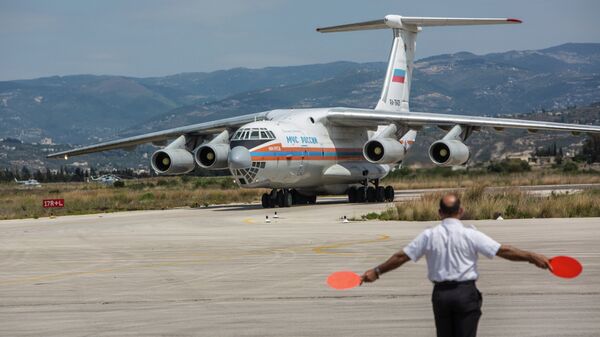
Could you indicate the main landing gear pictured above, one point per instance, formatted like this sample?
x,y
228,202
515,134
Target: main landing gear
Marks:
x,y
286,198
368,193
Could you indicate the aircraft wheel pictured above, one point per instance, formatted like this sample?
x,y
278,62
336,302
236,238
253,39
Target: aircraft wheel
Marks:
x,y
280,198
272,199
352,194
389,193
287,198
360,194
312,199
380,194
265,200
371,197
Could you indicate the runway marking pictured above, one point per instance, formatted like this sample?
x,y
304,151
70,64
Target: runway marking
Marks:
x,y
249,221
58,276
326,249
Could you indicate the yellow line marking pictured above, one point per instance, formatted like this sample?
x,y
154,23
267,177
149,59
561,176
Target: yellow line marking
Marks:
x,y
249,221
326,249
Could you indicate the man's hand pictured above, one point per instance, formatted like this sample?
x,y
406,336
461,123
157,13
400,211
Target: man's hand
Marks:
x,y
540,261
369,276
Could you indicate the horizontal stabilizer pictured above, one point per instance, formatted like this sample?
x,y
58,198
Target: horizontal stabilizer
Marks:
x,y
428,22
411,22
375,24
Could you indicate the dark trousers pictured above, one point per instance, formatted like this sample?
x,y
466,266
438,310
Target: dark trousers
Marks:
x,y
457,308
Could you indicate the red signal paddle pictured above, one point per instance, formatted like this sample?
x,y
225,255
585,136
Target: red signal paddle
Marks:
x,y
342,280
565,266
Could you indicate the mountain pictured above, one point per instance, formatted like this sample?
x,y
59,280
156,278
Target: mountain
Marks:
x,y
461,83
87,108
84,109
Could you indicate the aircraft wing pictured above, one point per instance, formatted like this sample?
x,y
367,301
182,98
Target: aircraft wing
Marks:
x,y
366,117
200,129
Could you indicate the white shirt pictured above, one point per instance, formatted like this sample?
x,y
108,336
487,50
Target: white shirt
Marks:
x,y
451,250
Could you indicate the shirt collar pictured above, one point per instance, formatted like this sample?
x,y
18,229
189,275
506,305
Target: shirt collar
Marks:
x,y
451,222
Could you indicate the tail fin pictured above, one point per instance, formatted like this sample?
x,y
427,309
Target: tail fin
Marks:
x,y
396,86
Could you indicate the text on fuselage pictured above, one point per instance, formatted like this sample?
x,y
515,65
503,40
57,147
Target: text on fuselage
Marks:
x,y
301,140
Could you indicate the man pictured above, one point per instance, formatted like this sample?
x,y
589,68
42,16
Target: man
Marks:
x,y
451,251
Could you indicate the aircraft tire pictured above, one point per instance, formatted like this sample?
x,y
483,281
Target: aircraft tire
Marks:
x,y
280,198
371,194
287,198
298,198
295,197
360,194
380,194
312,199
352,195
265,200
272,199
389,193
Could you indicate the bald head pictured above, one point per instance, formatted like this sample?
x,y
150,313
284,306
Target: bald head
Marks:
x,y
450,206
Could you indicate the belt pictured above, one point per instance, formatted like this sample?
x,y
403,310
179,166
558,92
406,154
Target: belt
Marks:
x,y
451,284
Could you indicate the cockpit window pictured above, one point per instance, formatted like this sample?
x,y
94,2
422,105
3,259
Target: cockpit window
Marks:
x,y
253,134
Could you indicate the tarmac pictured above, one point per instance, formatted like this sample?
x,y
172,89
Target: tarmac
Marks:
x,y
224,271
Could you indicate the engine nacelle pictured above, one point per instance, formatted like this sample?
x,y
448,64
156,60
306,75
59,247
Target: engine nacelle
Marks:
x,y
448,152
384,151
172,161
212,156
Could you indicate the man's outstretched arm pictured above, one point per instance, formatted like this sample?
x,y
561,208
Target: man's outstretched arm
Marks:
x,y
392,263
515,254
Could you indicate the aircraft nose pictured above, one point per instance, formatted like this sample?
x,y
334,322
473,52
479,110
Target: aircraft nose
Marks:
x,y
239,158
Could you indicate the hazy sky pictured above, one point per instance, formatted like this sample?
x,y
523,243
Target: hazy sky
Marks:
x,y
155,38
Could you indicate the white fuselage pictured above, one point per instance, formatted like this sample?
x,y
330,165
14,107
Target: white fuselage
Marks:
x,y
29,183
299,150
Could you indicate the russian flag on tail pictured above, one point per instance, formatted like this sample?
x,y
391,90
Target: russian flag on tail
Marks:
x,y
398,75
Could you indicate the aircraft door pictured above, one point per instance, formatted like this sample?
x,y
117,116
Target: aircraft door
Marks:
x,y
303,155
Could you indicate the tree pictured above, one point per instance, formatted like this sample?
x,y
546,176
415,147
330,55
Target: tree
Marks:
x,y
38,175
509,166
570,167
590,152
25,173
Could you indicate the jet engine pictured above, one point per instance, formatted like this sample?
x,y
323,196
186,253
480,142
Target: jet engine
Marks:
x,y
383,151
173,159
212,156
448,152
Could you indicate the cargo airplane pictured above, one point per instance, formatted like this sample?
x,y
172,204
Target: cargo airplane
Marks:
x,y
302,153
